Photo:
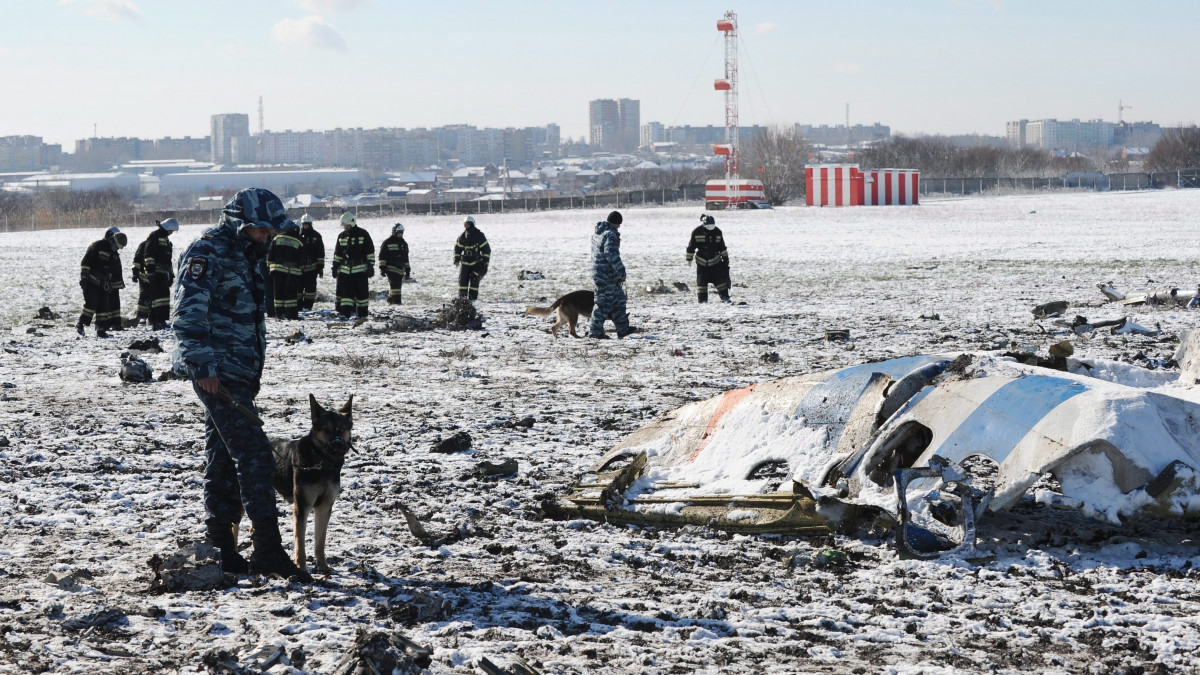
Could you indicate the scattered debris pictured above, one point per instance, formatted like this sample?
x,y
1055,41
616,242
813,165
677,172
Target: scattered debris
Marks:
x,y
1167,295
47,314
195,567
150,344
459,315
134,369
529,275
459,442
516,667
934,316
680,286
377,651
170,374
421,607
659,289
69,581
104,619
1050,309
836,335
770,357
400,323
830,557
506,468
297,336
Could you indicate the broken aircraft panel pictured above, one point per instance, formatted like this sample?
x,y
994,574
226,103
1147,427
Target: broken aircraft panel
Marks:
x,y
819,452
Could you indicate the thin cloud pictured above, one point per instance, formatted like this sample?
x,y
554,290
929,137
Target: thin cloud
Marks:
x,y
331,6
113,10
764,28
311,31
846,67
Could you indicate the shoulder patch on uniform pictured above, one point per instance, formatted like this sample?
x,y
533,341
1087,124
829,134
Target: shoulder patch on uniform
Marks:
x,y
197,266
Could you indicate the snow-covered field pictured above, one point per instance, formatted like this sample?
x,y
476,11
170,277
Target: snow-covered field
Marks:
x,y
97,476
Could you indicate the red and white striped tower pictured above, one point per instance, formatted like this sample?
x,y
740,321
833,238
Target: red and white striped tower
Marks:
x,y
728,25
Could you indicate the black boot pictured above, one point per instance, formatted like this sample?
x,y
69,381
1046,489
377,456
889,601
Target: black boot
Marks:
x,y
270,558
79,329
231,561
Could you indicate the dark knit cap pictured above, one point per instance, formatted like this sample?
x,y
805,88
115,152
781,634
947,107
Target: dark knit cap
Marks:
x,y
615,218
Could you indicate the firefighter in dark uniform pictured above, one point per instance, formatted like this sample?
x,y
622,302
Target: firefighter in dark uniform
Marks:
x,y
472,254
353,265
285,262
712,259
139,276
393,262
157,274
101,280
314,248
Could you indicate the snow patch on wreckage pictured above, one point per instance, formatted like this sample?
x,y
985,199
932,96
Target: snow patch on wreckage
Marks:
x,y
923,444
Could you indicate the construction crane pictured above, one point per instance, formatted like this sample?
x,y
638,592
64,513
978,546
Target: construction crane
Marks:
x,y
1121,107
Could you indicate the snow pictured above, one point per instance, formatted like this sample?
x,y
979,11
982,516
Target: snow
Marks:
x,y
100,476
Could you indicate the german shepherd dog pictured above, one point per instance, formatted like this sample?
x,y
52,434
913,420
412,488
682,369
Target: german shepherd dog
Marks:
x,y
308,474
569,308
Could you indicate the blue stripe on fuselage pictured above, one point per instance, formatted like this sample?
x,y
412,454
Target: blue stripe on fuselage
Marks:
x,y
830,403
1005,417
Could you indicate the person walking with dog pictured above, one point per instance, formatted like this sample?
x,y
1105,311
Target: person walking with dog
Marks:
x,y
353,265
158,273
314,249
285,262
472,255
220,344
707,246
393,262
100,280
608,273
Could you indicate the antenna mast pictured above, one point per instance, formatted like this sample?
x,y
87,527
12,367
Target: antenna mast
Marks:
x,y
728,26
260,116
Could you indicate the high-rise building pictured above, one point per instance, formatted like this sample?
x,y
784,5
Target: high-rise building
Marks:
x,y
225,128
652,132
1052,134
603,122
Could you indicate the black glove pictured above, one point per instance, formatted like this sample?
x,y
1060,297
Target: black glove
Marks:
x,y
482,271
456,262
408,273
333,272
370,272
320,273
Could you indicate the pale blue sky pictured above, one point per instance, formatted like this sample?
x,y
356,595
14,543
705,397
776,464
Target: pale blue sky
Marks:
x,y
154,68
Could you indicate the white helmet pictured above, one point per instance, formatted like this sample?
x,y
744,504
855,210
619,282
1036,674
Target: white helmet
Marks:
x,y
398,228
348,219
170,225
306,218
469,219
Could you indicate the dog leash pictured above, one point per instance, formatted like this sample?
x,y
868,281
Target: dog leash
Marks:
x,y
225,396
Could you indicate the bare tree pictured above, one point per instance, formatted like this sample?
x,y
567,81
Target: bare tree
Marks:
x,y
1178,148
777,157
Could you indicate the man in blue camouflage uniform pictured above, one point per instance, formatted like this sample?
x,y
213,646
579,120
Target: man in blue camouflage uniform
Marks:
x,y
608,272
220,334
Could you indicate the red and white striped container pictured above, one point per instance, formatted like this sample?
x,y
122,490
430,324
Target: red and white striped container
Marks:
x,y
741,190
891,187
833,185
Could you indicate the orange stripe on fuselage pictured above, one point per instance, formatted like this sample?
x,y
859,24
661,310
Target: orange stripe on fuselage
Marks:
x,y
729,401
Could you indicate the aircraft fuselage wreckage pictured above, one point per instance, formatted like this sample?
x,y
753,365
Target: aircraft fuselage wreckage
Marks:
x,y
922,444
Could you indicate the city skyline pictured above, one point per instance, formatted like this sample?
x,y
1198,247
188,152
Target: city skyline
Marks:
x,y
115,68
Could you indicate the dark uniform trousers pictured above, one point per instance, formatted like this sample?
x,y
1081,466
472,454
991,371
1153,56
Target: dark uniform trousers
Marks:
x,y
237,452
159,298
717,275
395,288
97,303
308,288
285,296
353,292
468,281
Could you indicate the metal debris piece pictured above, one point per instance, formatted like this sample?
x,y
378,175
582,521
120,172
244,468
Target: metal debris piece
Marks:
x,y
376,651
1049,309
195,567
459,442
836,334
